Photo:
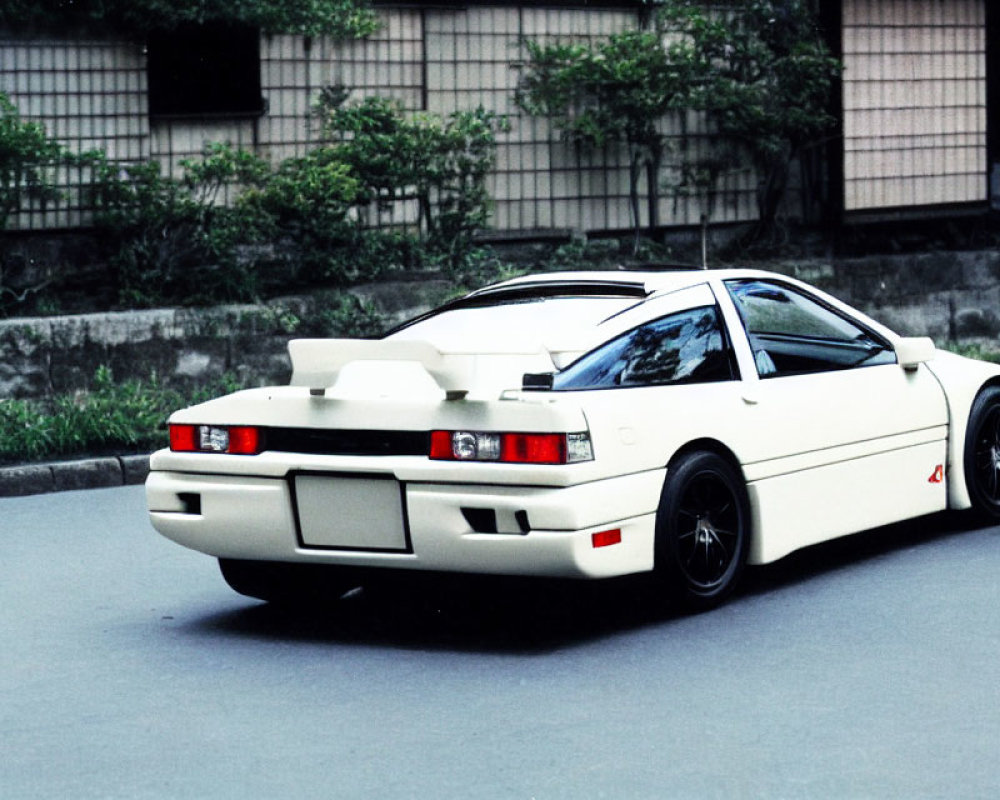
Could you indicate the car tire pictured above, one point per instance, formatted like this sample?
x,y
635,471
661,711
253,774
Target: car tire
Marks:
x,y
702,531
982,454
284,583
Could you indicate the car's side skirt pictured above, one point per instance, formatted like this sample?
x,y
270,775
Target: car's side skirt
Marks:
x,y
795,509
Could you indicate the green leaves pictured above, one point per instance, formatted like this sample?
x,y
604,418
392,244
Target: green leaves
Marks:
x,y
763,76
758,70
28,158
110,417
439,162
613,91
174,240
337,18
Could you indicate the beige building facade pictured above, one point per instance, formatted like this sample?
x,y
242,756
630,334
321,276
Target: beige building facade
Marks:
x,y
914,108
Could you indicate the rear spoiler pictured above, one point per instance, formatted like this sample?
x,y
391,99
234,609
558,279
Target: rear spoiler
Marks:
x,y
316,363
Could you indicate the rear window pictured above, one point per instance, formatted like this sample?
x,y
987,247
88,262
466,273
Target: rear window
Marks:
x,y
537,317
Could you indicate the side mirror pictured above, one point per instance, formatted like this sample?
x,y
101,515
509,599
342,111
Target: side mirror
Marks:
x,y
913,351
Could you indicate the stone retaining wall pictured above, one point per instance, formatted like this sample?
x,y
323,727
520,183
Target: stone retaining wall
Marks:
x,y
44,355
948,296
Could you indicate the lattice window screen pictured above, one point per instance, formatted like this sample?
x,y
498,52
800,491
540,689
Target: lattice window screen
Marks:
x,y
89,95
914,102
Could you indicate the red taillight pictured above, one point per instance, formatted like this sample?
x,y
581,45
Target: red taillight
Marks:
x,y
242,440
511,448
441,446
533,448
184,438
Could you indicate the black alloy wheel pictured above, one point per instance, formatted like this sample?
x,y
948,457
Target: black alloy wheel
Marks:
x,y
982,454
702,530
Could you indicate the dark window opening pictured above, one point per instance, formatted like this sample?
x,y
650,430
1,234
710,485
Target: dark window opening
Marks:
x,y
204,70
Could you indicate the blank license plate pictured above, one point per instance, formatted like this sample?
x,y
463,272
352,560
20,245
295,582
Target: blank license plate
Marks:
x,y
350,513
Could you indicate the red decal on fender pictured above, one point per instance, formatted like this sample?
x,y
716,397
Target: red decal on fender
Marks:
x,y
938,475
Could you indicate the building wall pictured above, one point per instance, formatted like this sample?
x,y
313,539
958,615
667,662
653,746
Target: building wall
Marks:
x,y
914,109
93,94
914,95
90,94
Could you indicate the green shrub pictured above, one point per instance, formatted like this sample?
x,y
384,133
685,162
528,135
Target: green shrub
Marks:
x,y
175,242
301,211
438,163
27,159
349,317
114,417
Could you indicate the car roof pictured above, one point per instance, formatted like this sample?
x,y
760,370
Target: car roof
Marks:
x,y
627,282
638,285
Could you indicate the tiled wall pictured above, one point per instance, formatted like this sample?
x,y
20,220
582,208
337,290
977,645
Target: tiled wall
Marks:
x,y
89,95
914,98
914,102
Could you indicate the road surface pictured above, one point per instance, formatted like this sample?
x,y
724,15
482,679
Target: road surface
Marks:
x,y
869,668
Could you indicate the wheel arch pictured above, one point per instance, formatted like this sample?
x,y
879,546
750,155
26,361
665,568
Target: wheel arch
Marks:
x,y
959,496
962,380
711,445
674,570
961,413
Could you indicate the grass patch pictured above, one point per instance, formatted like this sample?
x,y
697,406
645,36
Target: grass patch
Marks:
x,y
973,350
127,417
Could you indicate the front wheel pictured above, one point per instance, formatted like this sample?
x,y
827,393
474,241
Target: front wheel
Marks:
x,y
982,454
285,583
702,531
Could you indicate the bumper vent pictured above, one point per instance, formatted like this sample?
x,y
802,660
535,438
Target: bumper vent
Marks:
x,y
347,442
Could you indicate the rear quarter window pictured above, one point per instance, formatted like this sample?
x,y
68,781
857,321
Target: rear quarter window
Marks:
x,y
686,347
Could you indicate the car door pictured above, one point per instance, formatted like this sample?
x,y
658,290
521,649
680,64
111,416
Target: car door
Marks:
x,y
838,437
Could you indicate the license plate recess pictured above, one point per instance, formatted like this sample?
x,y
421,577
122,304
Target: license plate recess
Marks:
x,y
350,513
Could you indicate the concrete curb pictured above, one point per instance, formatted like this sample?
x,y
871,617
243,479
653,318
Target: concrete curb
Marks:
x,y
64,476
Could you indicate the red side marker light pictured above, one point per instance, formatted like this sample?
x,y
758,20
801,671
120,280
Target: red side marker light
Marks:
x,y
606,538
938,475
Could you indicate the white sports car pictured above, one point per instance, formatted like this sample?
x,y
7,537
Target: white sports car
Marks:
x,y
588,424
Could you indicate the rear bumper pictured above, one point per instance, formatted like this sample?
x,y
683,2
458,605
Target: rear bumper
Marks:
x,y
513,530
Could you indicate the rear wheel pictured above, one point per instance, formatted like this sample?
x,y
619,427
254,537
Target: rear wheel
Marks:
x,y
982,454
702,531
285,583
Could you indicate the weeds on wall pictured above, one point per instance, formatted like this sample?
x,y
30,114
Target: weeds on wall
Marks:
x,y
110,417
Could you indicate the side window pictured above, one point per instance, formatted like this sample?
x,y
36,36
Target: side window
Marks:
x,y
687,347
792,333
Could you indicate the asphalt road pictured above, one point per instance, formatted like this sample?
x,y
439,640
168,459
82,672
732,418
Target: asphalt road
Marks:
x,y
868,669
